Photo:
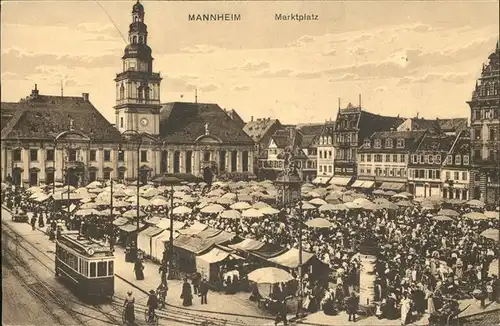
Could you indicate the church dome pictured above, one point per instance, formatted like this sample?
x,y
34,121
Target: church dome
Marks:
x,y
138,7
136,50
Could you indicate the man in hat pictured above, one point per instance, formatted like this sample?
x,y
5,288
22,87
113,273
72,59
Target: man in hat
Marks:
x,y
352,306
152,305
204,291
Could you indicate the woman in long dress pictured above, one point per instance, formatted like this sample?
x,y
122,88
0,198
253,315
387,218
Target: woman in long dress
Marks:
x,y
139,270
405,309
429,295
187,294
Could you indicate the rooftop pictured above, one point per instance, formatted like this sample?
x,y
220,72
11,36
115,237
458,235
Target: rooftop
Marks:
x,y
44,117
184,122
436,142
258,129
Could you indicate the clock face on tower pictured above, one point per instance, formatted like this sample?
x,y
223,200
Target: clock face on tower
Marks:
x,y
144,122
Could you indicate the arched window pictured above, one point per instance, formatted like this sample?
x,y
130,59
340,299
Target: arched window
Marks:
x,y
141,39
122,91
492,88
139,93
495,88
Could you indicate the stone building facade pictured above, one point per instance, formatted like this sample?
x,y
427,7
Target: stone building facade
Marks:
x,y
485,132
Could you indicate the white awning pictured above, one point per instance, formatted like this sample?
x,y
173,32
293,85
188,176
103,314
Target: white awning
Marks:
x,y
368,184
321,180
340,181
358,184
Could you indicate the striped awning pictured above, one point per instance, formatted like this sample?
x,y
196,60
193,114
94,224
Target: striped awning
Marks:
x,y
392,186
340,181
321,180
358,184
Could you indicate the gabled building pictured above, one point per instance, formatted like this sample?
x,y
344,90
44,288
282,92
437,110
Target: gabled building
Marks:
x,y
383,159
424,166
352,126
455,169
57,138
271,161
445,126
326,153
261,130
485,132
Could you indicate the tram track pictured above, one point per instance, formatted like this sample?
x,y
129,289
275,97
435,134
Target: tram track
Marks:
x,y
180,315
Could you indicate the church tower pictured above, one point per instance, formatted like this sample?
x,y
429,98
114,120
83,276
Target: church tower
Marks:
x,y
137,86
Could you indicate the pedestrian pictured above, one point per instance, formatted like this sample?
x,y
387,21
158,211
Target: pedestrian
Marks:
x,y
187,294
352,306
196,282
33,222
204,291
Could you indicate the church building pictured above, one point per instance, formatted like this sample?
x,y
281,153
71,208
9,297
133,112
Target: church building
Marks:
x,y
47,138
177,137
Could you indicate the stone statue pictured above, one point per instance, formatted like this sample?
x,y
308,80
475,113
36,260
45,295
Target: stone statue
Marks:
x,y
206,128
289,166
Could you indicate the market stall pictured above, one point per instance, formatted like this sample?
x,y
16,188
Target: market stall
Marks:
x,y
208,264
144,239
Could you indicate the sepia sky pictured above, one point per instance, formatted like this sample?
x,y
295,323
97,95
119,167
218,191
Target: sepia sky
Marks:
x,y
403,57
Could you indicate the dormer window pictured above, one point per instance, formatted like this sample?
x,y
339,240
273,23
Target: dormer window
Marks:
x,y
389,143
449,160
438,158
366,143
458,159
466,160
430,159
377,143
401,143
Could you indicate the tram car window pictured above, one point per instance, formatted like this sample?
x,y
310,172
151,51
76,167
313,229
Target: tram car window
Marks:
x,y
88,266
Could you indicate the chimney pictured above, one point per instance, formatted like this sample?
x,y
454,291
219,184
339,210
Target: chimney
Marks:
x,y
360,101
85,97
34,92
251,118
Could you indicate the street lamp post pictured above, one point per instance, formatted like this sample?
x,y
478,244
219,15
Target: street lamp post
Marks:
x,y
137,135
288,186
170,180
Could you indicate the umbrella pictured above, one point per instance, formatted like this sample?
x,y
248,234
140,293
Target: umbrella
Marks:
x,y
475,202
151,192
231,214
252,212
34,189
490,234
179,194
442,218
405,203
362,201
241,205
327,207
319,223
475,216
388,205
88,206
369,206
317,201
340,207
158,201
270,275
133,213
94,184
225,201
306,206
86,212
352,205
181,210
229,195
142,201
313,194
269,210
448,212
245,198
491,214
401,195
378,192
212,209
188,199
259,205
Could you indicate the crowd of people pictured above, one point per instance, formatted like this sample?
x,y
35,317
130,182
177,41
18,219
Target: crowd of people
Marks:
x,y
423,265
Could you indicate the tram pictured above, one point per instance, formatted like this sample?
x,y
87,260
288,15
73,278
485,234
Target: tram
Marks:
x,y
88,266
